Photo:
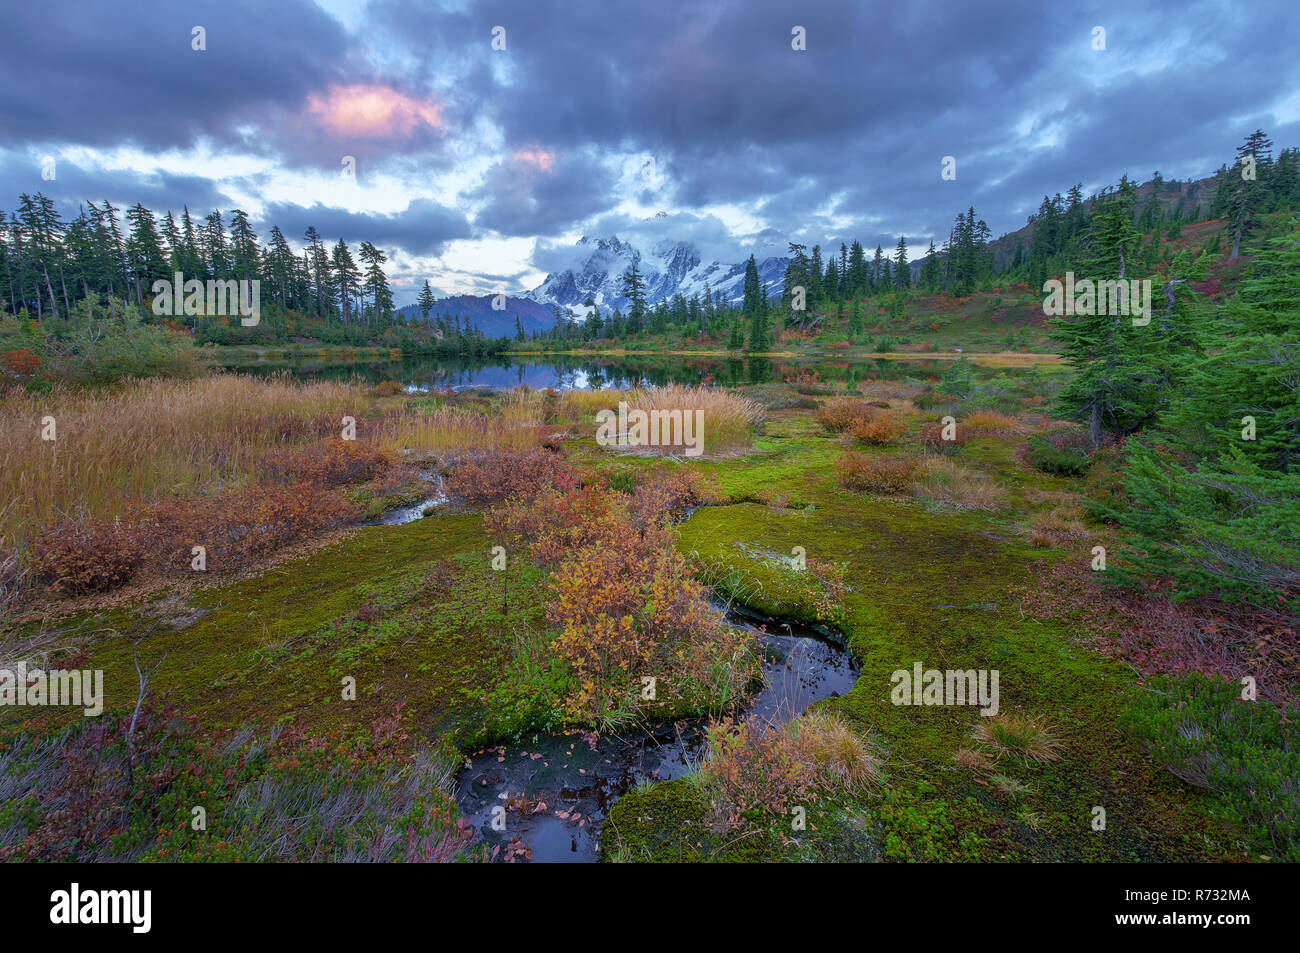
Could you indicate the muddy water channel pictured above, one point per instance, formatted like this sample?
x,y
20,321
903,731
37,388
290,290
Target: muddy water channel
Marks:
x,y
559,789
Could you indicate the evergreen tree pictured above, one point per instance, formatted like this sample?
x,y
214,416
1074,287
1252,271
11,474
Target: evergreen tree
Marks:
x,y
634,291
1122,370
347,279
214,246
902,272
376,283
426,302
857,272
1247,186
243,247
755,307
1213,498
931,271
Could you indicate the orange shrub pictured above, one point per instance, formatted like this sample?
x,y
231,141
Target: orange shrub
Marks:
x,y
838,416
557,521
80,556
492,476
238,526
629,609
22,362
328,463
664,498
931,437
878,430
876,472
625,604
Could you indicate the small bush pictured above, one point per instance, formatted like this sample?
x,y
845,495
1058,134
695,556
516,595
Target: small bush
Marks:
x,y
1063,454
933,441
624,604
20,363
387,389
839,415
664,498
878,430
241,525
77,556
1246,752
328,463
494,476
876,473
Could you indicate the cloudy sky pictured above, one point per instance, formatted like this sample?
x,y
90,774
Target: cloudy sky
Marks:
x,y
478,167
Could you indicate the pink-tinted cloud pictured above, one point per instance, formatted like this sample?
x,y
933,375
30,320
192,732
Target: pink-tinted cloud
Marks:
x,y
373,111
540,159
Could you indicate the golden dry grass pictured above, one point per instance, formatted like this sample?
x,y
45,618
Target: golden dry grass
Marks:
x,y
961,487
512,425
840,760
727,420
149,438
990,421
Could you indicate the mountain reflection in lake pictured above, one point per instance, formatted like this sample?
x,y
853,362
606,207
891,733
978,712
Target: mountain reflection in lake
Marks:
x,y
569,372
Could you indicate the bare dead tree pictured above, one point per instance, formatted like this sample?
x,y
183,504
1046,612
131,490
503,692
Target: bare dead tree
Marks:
x,y
144,678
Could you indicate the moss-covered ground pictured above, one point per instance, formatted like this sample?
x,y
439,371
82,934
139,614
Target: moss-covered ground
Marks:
x,y
416,616
931,586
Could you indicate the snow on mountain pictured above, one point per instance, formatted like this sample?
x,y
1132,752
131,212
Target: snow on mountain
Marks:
x,y
668,268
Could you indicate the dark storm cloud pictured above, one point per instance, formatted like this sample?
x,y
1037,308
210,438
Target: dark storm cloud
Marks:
x,y
733,114
842,140
73,185
538,193
422,229
95,73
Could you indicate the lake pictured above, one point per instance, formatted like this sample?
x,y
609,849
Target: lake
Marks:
x,y
594,372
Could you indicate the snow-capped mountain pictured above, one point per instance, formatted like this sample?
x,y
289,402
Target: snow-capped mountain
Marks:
x,y
668,268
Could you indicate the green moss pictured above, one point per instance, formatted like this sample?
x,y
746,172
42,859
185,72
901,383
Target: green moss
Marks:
x,y
669,823
379,607
934,587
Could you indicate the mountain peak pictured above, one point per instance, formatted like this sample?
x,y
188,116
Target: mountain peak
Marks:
x,y
668,266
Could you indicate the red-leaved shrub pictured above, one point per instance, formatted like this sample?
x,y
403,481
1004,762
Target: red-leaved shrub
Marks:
x,y
492,476
83,556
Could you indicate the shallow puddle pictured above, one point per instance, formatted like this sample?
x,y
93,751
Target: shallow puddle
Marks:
x,y
558,790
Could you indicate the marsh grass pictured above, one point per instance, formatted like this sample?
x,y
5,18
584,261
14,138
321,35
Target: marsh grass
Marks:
x,y
511,422
728,421
752,764
148,439
1019,734
959,487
